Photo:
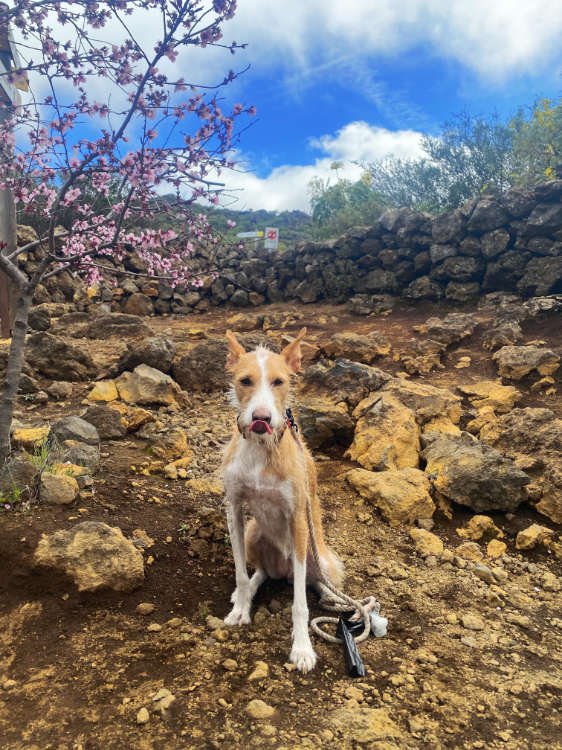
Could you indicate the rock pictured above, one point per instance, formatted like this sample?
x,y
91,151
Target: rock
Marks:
x,y
501,398
532,536
505,333
95,555
495,548
259,710
386,434
426,543
75,428
542,276
104,390
484,573
19,475
54,358
462,292
471,473
81,454
145,608
146,385
260,672
469,551
324,424
39,320
156,351
58,490
138,304
402,496
371,727
514,362
143,717
163,699
487,215
472,622
494,243
480,527
356,347
119,325
169,444
422,357
426,401
423,288
59,390
344,380
203,367
448,227
29,438
231,665
544,219
452,328
108,421
178,469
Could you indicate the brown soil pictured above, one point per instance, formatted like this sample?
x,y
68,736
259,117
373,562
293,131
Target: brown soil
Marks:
x,y
76,668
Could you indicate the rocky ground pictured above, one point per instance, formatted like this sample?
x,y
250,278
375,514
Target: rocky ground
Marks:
x,y
436,523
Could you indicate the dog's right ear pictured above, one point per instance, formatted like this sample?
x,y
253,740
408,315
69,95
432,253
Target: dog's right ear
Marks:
x,y
235,350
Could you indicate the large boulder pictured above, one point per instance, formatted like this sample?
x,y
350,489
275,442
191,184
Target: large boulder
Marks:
x,y
156,351
343,380
426,401
138,304
58,489
107,420
56,359
203,367
487,215
357,347
542,276
502,398
402,496
95,555
545,218
468,472
515,362
146,385
75,428
451,329
386,434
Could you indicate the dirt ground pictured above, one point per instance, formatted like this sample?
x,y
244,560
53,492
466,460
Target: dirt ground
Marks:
x,y
75,669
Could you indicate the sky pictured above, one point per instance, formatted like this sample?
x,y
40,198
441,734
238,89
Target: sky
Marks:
x,y
360,80
357,80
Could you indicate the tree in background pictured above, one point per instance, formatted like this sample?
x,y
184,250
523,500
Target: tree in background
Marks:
x,y
537,143
108,127
344,204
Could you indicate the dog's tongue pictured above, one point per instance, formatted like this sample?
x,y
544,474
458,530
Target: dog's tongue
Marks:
x,y
261,427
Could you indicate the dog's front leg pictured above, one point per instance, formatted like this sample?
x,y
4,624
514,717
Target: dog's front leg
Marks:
x,y
302,653
242,596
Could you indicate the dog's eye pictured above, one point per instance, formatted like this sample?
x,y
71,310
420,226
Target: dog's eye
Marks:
x,y
245,381
278,382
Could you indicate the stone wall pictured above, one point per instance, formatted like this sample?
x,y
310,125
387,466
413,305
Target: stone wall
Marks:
x,y
510,242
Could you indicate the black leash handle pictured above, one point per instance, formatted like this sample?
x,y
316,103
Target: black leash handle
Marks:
x,y
346,630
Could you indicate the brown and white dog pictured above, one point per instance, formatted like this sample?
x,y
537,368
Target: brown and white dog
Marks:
x,y
269,471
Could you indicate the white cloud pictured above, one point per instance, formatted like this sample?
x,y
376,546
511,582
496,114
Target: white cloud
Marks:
x,y
496,39
286,187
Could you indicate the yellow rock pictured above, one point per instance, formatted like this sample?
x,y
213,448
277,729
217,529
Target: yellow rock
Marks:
x,y
258,709
425,542
402,496
386,434
441,424
261,671
550,504
30,437
501,398
69,470
368,727
132,417
533,535
146,385
103,390
170,445
57,489
478,527
485,420
469,551
173,469
495,548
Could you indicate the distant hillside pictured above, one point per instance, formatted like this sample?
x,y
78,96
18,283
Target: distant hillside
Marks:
x,y
293,226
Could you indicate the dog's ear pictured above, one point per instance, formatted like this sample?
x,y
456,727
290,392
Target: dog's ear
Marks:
x,y
235,350
292,352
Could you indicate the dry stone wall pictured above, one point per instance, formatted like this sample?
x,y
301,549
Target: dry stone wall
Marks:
x,y
510,242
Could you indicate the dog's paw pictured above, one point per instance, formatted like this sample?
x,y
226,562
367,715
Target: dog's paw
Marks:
x,y
303,658
237,616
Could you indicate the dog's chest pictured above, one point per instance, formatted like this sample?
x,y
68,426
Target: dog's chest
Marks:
x,y
269,498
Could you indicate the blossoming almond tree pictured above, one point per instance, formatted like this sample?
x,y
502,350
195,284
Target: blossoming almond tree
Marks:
x,y
109,116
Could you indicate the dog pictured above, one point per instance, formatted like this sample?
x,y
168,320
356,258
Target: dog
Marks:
x,y
269,471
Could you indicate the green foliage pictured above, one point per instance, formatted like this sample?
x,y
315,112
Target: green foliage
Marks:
x,y
468,156
342,205
537,143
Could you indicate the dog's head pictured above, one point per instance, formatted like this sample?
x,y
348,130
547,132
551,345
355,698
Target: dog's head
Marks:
x,y
260,386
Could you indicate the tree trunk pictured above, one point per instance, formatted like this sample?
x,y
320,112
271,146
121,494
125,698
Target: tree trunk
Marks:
x,y
13,370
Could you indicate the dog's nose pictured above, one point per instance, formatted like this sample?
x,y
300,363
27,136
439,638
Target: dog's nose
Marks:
x,y
262,415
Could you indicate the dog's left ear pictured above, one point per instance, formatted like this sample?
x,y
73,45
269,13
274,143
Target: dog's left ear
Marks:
x,y
292,352
235,350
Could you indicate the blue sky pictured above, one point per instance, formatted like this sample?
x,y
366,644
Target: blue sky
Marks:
x,y
361,79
